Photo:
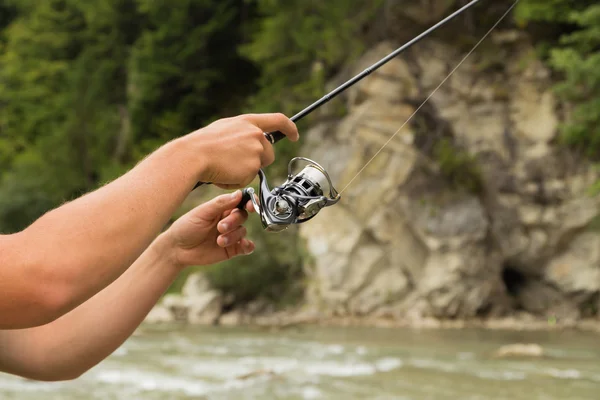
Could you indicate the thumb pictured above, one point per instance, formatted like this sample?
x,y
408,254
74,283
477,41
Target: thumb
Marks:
x,y
217,206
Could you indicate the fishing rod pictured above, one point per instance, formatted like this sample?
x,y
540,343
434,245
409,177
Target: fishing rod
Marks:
x,y
275,137
301,196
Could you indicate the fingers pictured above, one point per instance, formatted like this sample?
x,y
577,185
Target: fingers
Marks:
x,y
217,206
243,247
232,221
268,155
232,237
275,122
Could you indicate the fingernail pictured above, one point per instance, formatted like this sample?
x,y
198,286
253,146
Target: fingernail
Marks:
x,y
225,226
247,248
225,241
234,194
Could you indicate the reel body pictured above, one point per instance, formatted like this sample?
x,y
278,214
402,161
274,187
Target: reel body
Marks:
x,y
296,201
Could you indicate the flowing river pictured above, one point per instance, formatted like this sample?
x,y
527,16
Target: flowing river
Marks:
x,y
174,362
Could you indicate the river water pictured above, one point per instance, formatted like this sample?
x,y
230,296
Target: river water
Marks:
x,y
175,362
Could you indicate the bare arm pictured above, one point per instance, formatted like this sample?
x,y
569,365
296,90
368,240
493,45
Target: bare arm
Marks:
x,y
74,343
70,345
74,251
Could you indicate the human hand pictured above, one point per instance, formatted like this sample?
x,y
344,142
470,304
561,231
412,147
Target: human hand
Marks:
x,y
234,149
210,233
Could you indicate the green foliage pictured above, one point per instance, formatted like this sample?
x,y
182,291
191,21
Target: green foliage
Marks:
x,y
458,167
576,57
300,43
50,112
546,10
89,88
185,70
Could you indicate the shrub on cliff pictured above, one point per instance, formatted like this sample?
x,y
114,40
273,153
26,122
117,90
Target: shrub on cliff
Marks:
x,y
574,53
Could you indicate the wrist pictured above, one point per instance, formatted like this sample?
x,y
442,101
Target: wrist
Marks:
x,y
191,152
164,251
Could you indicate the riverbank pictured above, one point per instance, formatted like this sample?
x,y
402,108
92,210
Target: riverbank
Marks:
x,y
509,323
285,320
200,304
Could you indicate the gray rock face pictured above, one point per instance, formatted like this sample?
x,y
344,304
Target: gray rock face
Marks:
x,y
405,241
198,303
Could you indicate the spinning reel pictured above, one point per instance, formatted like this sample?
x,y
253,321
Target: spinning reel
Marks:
x,y
295,201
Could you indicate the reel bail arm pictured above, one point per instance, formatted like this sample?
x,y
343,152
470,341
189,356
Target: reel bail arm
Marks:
x,y
296,201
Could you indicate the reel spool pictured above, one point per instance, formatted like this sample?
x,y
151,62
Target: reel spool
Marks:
x,y
296,201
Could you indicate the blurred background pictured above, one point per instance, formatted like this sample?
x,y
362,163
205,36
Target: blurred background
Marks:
x,y
463,262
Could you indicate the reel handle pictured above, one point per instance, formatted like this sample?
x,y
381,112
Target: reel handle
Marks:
x,y
246,197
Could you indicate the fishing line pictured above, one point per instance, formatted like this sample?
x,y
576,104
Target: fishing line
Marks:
x,y
431,95
300,198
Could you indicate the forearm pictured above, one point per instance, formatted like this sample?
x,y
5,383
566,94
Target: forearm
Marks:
x,y
77,341
79,248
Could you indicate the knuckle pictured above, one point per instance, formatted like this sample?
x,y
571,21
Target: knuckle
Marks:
x,y
245,117
258,147
269,158
221,200
257,133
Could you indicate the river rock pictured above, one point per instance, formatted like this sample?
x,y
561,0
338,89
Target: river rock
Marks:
x,y
205,308
177,305
257,373
197,304
410,239
159,314
232,318
195,285
519,350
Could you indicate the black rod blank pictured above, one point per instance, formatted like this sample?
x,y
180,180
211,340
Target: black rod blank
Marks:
x,y
274,137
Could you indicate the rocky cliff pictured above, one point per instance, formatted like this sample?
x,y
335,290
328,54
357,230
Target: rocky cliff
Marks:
x,y
471,210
